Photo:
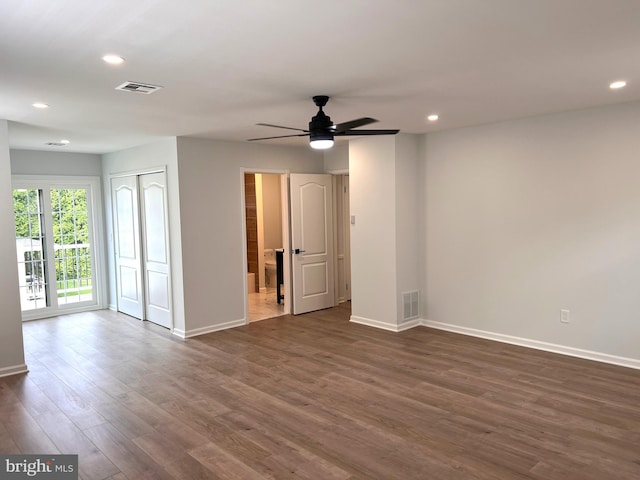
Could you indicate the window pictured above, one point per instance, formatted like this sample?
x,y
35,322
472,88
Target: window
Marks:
x,y
57,268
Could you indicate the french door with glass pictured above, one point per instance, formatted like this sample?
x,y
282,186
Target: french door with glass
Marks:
x,y
57,269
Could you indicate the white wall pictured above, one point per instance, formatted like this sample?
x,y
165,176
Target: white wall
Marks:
x,y
36,162
407,224
11,343
383,178
211,180
336,159
138,159
524,218
373,237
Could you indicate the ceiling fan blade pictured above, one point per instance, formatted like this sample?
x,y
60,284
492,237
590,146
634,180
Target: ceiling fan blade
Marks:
x,y
352,133
360,122
281,136
280,126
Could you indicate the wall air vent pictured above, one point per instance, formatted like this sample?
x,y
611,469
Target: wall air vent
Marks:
x,y
410,303
138,87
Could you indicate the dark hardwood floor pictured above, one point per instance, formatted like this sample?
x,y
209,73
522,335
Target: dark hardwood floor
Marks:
x,y
315,397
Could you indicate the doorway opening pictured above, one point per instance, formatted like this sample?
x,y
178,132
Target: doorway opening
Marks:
x,y
266,226
296,229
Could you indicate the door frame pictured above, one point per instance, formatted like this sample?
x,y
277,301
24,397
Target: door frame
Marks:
x,y
286,234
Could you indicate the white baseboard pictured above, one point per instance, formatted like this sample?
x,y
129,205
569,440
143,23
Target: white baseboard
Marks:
x,y
13,370
499,337
113,307
209,329
391,327
525,342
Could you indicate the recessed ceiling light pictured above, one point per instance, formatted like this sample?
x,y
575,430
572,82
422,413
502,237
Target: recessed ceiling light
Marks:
x,y
113,59
40,105
433,117
66,142
618,84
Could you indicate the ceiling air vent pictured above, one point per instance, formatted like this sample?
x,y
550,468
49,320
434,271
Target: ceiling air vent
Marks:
x,y
55,144
138,87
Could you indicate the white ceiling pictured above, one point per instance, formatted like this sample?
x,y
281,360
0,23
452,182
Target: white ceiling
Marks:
x,y
226,65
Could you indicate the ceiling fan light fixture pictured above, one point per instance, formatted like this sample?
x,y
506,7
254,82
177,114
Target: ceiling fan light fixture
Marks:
x,y
321,143
113,59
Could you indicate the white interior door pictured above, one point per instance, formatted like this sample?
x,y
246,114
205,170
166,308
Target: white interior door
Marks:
x,y
127,246
312,242
155,248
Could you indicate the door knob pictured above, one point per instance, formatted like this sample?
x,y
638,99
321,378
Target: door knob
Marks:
x,y
297,251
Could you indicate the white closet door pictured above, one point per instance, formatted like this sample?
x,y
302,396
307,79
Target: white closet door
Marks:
x,y
155,248
127,246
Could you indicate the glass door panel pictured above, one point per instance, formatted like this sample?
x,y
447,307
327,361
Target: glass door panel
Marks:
x,y
31,249
74,278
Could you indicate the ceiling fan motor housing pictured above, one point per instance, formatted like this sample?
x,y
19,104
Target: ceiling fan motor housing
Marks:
x,y
320,127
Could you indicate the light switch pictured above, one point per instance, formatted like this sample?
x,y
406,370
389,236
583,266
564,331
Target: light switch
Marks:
x,y
353,219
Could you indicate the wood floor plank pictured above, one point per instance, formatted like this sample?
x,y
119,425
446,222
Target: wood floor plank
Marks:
x,y
317,397
92,463
7,445
25,432
223,464
124,454
287,458
186,467
119,476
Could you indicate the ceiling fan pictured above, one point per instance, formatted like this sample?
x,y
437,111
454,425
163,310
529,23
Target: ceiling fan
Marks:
x,y
322,130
